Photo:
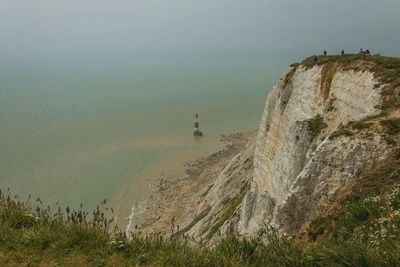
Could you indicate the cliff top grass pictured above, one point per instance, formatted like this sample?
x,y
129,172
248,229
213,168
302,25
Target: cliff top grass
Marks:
x,y
383,61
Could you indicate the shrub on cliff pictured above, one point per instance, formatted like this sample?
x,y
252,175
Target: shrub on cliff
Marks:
x,y
316,125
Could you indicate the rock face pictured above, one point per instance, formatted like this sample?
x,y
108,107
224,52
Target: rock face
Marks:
x,y
319,132
298,169
219,212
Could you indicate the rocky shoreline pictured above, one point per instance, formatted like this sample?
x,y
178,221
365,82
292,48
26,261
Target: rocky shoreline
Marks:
x,y
173,203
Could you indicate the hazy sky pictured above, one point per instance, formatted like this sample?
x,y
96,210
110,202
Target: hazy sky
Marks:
x,y
110,34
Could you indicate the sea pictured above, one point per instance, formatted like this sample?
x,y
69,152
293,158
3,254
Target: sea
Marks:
x,y
76,136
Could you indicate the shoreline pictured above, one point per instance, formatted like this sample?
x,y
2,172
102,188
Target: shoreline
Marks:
x,y
140,187
174,197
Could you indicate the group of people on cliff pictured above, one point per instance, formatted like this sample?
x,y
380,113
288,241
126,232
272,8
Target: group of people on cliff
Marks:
x,y
362,52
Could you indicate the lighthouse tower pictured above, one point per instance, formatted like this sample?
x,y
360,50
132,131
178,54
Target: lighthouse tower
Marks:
x,y
197,131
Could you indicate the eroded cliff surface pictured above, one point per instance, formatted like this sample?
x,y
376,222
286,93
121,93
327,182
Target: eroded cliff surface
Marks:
x,y
307,155
324,127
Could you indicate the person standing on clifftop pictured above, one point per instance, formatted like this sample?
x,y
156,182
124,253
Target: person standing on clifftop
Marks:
x,y
325,53
342,52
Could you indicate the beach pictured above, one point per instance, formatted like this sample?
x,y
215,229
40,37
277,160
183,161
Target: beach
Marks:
x,y
174,196
141,187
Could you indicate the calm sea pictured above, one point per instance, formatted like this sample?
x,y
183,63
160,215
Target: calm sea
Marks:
x,y
81,136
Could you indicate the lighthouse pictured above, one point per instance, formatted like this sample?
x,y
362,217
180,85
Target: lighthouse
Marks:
x,y
197,131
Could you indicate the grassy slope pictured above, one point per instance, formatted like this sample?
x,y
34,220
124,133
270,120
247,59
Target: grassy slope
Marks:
x,y
362,231
45,238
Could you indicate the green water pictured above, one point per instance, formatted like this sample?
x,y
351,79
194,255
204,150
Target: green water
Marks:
x,y
82,136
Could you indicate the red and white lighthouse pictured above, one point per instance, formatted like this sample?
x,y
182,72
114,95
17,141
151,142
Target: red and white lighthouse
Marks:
x,y
196,122
197,131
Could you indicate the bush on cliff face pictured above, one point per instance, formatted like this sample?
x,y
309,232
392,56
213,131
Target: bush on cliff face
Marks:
x,y
360,125
316,125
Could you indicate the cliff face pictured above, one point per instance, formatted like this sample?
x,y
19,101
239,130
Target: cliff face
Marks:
x,y
298,169
325,126
218,212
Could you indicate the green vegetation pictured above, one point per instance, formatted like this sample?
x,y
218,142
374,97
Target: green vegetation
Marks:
x,y
387,69
351,128
358,213
310,61
384,62
199,217
340,132
359,125
232,204
318,226
378,116
316,125
42,236
369,214
392,125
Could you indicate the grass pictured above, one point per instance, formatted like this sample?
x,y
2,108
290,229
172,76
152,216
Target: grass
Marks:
x,y
349,129
368,214
341,132
384,62
318,226
44,239
232,205
381,115
387,70
358,213
199,217
44,236
360,125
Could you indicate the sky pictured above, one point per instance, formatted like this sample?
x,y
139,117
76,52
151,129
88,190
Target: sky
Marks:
x,y
103,34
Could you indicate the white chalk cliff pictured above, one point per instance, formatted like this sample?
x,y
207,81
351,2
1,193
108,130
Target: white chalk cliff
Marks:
x,y
321,131
300,162
297,174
